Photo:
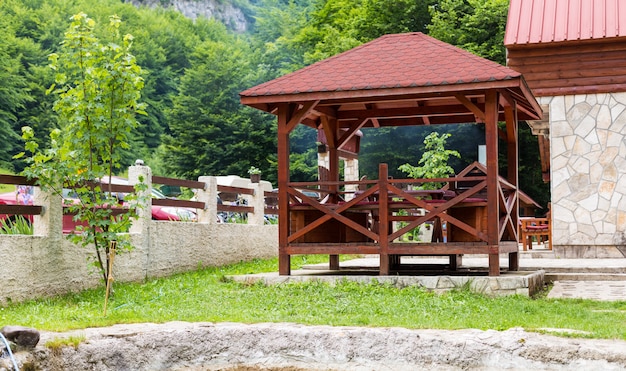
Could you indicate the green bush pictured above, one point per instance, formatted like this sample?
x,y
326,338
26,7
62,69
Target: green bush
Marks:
x,y
16,225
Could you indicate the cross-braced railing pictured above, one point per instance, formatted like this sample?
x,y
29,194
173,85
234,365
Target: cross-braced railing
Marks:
x,y
326,219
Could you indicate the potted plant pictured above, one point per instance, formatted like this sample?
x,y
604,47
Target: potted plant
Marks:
x,y
255,174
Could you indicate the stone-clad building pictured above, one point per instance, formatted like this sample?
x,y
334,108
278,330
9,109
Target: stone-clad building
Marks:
x,y
573,56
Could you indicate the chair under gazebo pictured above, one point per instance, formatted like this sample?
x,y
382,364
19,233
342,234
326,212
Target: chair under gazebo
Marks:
x,y
399,80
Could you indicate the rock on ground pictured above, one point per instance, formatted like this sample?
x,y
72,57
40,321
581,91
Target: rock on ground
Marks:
x,y
292,347
23,336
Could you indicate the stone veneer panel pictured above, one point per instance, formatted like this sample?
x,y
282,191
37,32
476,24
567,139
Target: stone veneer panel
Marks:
x,y
588,180
350,172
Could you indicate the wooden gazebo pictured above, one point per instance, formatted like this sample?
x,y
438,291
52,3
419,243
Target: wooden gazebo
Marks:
x,y
398,80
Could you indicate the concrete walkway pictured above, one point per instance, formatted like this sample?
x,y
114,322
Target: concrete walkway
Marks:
x,y
596,290
596,279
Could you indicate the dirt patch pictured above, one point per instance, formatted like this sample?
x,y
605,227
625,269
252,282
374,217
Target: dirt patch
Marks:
x,y
291,347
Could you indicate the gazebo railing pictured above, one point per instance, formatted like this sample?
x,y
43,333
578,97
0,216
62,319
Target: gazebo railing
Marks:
x,y
382,211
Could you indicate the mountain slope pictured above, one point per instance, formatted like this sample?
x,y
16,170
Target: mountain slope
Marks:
x,y
236,17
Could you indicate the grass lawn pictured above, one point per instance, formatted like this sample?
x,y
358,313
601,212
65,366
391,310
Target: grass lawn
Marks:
x,y
206,295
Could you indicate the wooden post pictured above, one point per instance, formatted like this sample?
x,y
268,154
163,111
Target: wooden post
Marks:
x,y
109,282
384,219
284,260
333,158
510,114
491,140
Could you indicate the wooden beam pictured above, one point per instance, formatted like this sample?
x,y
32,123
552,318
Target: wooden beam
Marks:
x,y
329,126
347,155
22,209
510,113
432,120
405,112
425,248
425,119
544,154
299,113
333,248
329,111
16,179
373,95
506,98
479,113
348,134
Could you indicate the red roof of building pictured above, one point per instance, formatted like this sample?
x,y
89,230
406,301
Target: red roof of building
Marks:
x,y
544,21
392,61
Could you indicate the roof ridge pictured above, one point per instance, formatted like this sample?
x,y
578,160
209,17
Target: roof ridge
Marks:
x,y
460,50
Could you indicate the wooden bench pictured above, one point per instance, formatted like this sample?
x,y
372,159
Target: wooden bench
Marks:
x,y
539,227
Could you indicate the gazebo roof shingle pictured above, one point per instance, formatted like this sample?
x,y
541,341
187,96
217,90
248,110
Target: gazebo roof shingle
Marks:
x,y
391,61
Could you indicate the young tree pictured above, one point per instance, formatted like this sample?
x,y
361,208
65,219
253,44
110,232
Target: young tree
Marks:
x,y
434,161
98,87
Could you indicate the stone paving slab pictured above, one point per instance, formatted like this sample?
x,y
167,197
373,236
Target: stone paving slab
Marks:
x,y
595,290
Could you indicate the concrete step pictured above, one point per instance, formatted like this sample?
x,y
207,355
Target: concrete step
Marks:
x,y
576,269
537,254
578,276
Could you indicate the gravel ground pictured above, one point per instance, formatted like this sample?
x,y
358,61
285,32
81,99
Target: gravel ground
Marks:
x,y
292,347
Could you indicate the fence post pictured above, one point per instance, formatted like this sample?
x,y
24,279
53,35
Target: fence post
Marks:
x,y
208,195
257,200
142,224
50,222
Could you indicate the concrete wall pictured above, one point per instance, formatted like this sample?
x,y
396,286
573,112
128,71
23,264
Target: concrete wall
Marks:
x,y
36,266
588,174
47,264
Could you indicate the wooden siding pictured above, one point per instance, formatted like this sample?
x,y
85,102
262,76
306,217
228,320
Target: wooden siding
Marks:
x,y
573,67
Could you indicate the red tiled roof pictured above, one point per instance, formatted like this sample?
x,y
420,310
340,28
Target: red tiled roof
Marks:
x,y
391,61
544,21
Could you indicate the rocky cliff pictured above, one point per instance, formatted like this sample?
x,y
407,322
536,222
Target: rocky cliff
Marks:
x,y
232,16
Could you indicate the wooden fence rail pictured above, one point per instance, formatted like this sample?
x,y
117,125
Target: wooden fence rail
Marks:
x,y
7,210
